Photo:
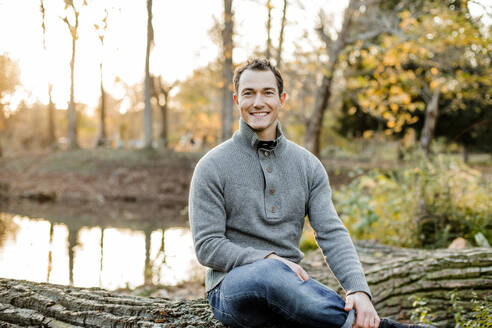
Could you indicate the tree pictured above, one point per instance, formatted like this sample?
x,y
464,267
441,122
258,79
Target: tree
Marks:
x,y
436,63
227,88
160,92
147,90
73,26
334,49
101,29
51,107
9,79
268,52
198,100
281,36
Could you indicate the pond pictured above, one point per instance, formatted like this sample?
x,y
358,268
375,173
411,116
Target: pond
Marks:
x,y
97,245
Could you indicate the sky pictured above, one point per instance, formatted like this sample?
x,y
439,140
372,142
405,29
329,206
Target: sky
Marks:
x,y
182,41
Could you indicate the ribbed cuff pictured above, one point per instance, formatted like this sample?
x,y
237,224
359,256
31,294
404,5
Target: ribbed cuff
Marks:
x,y
357,284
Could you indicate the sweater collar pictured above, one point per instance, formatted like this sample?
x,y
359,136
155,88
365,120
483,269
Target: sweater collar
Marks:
x,y
247,137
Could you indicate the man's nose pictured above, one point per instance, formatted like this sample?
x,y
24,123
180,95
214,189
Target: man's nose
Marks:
x,y
258,101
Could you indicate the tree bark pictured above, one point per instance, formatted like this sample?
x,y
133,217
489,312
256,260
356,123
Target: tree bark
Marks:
x,y
334,48
394,274
3,124
268,52
431,116
398,276
51,119
72,113
101,141
51,142
148,108
227,101
281,36
160,88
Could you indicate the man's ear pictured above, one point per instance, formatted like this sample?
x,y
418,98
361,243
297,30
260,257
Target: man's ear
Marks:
x,y
235,99
283,96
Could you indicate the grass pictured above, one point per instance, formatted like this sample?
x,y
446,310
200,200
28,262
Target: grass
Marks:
x,y
93,160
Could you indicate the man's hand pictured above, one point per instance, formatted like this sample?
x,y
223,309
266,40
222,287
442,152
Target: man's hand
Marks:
x,y
366,316
298,270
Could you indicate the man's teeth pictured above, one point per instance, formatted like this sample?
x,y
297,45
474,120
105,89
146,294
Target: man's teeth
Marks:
x,y
259,114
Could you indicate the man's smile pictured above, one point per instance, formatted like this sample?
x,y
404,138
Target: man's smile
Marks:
x,y
260,114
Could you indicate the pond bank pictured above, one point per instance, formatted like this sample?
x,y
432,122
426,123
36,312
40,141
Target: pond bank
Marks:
x,y
107,175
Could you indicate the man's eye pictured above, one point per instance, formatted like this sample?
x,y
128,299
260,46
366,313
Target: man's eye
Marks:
x,y
270,93
247,93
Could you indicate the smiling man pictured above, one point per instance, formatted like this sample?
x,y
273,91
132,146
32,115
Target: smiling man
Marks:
x,y
248,200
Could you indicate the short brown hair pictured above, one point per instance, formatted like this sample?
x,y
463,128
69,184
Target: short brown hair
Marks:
x,y
258,64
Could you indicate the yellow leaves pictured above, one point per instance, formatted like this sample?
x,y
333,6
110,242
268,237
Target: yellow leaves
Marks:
x,y
352,110
394,107
368,134
395,89
388,115
434,71
390,59
405,14
435,84
406,19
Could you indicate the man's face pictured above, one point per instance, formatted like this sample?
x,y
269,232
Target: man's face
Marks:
x,y
259,102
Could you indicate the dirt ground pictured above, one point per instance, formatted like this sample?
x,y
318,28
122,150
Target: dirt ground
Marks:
x,y
118,175
105,175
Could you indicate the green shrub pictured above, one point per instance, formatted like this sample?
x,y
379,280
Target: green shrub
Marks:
x,y
480,315
384,205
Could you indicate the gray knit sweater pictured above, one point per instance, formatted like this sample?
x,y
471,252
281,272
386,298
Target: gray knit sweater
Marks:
x,y
246,203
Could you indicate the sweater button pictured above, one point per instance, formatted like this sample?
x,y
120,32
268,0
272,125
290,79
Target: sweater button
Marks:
x,y
272,191
273,209
269,169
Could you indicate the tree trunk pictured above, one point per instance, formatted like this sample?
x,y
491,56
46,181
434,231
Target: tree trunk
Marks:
x,y
281,36
72,113
268,52
466,154
51,119
431,115
397,276
164,130
394,274
227,89
334,48
3,124
101,141
160,92
148,108
51,142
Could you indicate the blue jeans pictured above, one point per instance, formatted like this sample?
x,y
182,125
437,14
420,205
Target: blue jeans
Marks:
x,y
269,292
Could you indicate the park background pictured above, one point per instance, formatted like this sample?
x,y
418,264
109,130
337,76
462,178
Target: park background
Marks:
x,y
106,106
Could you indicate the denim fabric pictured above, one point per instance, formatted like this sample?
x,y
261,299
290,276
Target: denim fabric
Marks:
x,y
269,292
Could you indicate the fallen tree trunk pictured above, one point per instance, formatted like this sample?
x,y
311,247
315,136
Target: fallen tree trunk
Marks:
x,y
402,280
394,274
24,303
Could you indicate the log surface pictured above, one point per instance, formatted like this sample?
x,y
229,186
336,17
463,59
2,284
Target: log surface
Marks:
x,y
396,276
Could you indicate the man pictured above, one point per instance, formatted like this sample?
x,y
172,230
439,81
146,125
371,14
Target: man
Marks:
x,y
248,200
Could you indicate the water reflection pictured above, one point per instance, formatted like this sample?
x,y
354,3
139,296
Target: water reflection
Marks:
x,y
117,246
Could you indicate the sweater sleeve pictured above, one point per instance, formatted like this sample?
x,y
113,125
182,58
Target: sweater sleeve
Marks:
x,y
207,217
331,234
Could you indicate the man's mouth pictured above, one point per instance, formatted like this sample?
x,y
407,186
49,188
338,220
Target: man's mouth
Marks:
x,y
259,114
